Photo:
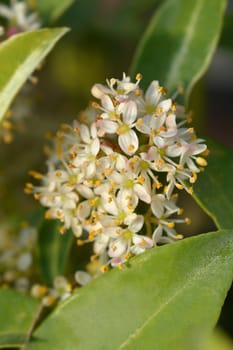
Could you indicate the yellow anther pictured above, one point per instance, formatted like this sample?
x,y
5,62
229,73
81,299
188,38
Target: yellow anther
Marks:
x,y
7,137
173,107
47,150
62,230
179,236
92,202
190,190
205,153
38,291
104,268
180,166
91,237
27,190
143,243
127,256
137,93
49,300
80,242
8,114
58,213
138,76
7,125
161,128
171,224
188,221
159,163
201,161
179,186
95,105
29,185
139,121
69,287
110,199
93,258
37,196
107,171
131,147
193,179
180,211
141,180
161,90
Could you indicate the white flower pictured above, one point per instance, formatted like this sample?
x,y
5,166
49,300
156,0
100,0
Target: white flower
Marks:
x,y
119,89
162,209
18,15
121,245
127,139
112,182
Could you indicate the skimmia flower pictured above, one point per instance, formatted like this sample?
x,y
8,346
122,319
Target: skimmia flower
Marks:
x,y
19,17
114,178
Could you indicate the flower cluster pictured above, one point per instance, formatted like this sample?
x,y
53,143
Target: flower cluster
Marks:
x,y
17,266
17,256
19,18
113,178
60,290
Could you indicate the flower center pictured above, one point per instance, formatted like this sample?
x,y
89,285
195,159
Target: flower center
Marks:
x,y
150,109
144,165
121,216
127,234
73,179
128,183
124,128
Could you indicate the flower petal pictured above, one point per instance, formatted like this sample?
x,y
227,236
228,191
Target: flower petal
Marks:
x,y
128,142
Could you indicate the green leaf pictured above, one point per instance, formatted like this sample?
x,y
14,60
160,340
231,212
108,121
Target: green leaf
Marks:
x,y
226,37
51,10
214,190
178,45
219,341
54,249
17,312
19,57
168,298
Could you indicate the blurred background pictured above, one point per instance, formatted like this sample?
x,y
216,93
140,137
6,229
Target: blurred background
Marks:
x,y
100,45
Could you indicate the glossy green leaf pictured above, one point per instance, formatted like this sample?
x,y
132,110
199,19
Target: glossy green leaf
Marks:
x,y
219,341
179,43
227,33
51,10
54,250
19,57
214,189
168,298
17,312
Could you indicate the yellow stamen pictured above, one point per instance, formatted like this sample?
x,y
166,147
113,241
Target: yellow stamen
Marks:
x,y
179,186
104,268
80,242
201,161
